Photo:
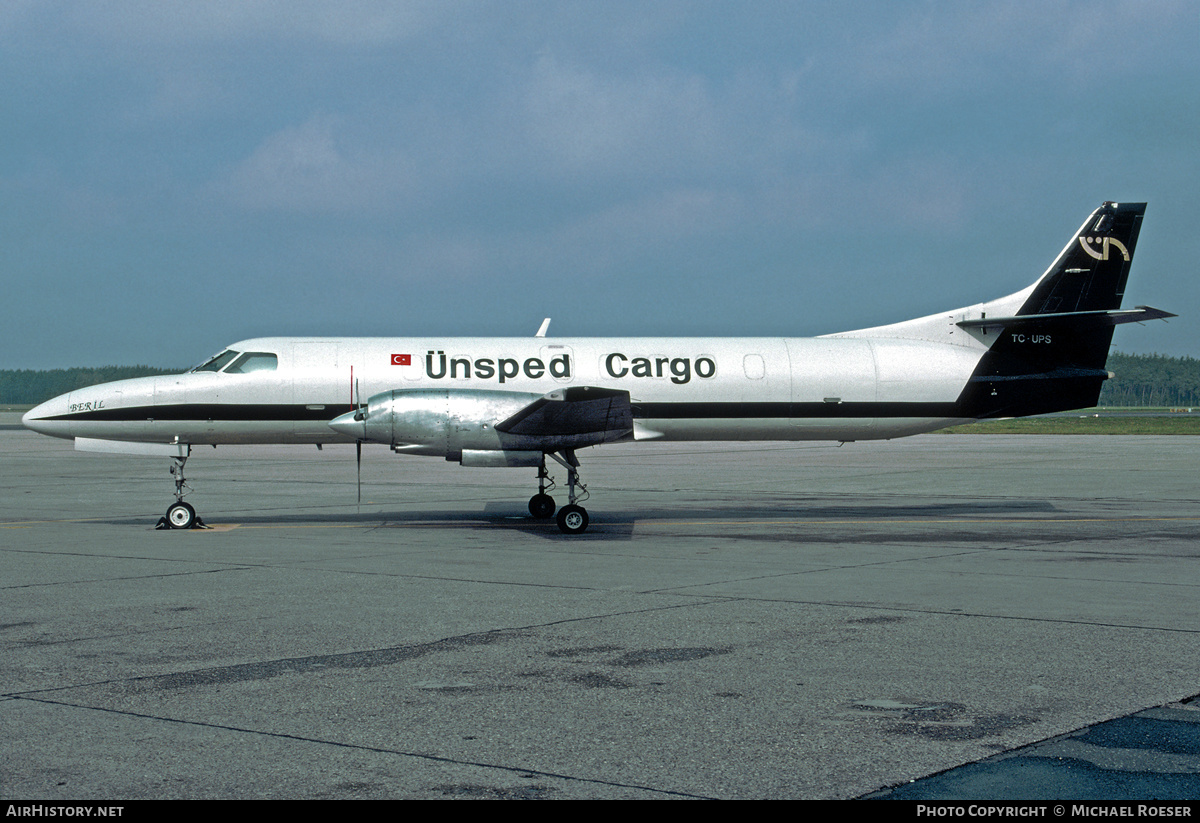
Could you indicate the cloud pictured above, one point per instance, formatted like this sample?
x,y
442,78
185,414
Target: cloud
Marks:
x,y
925,52
306,169
344,22
586,120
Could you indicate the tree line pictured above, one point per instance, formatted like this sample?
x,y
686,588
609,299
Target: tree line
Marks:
x,y
27,386
1151,380
1141,380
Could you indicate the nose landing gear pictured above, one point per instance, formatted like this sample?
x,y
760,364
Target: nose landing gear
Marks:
x,y
180,515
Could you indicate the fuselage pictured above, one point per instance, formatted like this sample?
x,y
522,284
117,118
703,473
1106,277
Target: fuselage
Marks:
x,y
290,389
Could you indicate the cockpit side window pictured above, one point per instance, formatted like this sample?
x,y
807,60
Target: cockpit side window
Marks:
x,y
217,363
254,361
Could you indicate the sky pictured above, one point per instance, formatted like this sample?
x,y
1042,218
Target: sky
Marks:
x,y
177,176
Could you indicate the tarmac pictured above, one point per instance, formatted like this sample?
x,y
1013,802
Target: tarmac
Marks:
x,y
766,620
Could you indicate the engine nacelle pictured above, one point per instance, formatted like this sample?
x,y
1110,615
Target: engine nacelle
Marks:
x,y
449,422
439,421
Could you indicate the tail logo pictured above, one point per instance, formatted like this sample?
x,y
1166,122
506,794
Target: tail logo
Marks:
x,y
1087,243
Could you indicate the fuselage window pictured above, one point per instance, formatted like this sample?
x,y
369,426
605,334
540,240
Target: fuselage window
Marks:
x,y
254,361
755,366
217,363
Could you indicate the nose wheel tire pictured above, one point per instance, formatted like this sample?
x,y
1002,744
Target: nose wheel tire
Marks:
x,y
181,516
572,519
541,506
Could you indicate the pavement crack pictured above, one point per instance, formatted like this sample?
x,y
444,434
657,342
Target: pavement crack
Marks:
x,y
433,758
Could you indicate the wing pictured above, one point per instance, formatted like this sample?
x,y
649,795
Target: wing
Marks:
x,y
586,413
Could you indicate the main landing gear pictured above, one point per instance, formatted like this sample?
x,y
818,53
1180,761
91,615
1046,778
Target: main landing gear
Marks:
x,y
180,515
572,518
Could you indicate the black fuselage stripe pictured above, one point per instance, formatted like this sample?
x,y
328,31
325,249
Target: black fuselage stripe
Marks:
x,y
225,412
733,411
283,412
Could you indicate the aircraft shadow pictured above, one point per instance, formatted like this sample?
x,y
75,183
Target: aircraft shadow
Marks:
x,y
616,525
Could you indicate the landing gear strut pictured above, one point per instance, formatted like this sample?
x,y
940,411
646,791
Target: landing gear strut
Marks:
x,y
541,505
180,515
572,518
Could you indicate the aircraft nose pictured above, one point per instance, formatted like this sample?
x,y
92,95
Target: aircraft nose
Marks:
x,y
42,418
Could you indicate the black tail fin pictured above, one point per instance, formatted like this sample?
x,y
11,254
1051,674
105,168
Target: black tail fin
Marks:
x,y
1051,355
1090,273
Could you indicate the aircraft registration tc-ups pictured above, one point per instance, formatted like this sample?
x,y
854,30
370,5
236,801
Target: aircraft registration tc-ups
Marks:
x,y
483,401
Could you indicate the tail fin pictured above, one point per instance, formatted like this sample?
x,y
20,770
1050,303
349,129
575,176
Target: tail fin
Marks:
x,y
1051,354
1090,273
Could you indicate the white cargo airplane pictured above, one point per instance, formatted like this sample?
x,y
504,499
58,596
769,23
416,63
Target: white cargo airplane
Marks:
x,y
515,401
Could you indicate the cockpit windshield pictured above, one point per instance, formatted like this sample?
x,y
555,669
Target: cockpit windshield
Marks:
x,y
218,362
254,361
235,362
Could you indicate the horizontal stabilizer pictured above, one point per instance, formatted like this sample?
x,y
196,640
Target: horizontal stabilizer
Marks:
x,y
574,411
1114,317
